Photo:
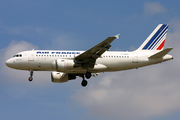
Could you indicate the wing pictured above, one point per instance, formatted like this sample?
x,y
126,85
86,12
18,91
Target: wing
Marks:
x,y
88,58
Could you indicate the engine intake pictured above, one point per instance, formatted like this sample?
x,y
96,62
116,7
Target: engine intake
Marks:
x,y
58,77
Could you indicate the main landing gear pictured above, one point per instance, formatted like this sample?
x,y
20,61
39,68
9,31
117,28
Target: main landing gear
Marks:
x,y
31,74
84,82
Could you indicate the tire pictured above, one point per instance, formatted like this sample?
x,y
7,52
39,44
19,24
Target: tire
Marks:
x,y
30,79
88,75
84,83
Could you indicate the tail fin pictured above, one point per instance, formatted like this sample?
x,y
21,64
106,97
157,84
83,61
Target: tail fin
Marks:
x,y
156,39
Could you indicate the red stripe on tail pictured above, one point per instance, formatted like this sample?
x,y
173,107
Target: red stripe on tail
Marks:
x,y
161,45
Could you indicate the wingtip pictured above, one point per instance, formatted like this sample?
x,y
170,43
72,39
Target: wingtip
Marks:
x,y
117,36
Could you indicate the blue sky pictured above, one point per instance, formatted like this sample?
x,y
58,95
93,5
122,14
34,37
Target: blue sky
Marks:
x,y
149,93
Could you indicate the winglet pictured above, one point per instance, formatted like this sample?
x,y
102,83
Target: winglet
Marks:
x,y
117,36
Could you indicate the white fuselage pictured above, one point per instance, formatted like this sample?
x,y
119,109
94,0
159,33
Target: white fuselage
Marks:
x,y
66,65
43,60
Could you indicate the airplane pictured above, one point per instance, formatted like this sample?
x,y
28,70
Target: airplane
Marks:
x,y
67,65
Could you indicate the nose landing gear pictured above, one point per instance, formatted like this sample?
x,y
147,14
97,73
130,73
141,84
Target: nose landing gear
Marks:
x,y
31,74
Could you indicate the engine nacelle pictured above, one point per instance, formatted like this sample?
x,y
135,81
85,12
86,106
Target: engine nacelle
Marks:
x,y
59,77
63,64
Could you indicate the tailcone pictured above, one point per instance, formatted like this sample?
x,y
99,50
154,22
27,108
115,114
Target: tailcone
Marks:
x,y
167,57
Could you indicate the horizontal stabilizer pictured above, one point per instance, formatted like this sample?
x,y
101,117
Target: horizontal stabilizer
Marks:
x,y
161,53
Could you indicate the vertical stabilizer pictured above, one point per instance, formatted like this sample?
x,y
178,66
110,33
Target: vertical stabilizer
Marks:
x,y
156,39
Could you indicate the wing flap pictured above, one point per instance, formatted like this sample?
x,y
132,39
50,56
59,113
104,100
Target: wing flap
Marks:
x,y
161,53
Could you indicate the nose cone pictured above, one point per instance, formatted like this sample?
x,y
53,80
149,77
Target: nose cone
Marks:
x,y
12,63
9,63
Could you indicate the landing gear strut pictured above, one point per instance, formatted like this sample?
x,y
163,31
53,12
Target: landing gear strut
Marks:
x,y
84,82
31,74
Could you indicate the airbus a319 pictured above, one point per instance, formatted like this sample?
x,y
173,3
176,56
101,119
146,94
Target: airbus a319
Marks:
x,y
67,65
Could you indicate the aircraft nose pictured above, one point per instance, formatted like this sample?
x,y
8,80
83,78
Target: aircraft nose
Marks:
x,y
8,63
12,63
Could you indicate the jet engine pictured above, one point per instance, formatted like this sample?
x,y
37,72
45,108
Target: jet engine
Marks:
x,y
59,77
63,64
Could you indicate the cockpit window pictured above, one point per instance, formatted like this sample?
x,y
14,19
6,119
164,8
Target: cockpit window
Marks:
x,y
18,55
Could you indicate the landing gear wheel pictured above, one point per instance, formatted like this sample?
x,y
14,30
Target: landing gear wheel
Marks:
x,y
84,83
88,75
30,79
31,74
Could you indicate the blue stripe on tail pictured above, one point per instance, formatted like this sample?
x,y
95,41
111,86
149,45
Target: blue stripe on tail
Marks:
x,y
158,38
155,39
